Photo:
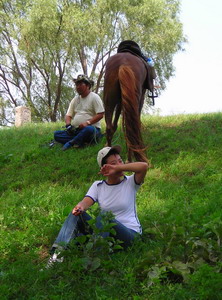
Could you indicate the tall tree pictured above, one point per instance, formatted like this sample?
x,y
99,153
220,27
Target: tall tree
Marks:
x,y
46,42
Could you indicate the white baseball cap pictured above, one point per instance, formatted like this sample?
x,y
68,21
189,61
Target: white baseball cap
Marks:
x,y
105,151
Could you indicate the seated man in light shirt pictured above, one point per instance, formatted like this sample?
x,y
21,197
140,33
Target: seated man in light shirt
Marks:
x,y
82,118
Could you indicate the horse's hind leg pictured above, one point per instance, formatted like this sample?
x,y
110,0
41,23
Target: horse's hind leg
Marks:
x,y
112,97
109,126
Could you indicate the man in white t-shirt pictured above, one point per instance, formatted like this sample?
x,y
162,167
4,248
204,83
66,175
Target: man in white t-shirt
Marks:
x,y
116,194
82,118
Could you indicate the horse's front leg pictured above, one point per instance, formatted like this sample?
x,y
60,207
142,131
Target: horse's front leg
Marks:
x,y
111,125
116,118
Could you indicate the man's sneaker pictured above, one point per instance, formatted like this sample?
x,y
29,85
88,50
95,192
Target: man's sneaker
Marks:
x,y
76,146
54,259
52,144
49,145
67,146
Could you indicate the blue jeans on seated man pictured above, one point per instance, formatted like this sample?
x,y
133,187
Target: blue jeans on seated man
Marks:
x,y
79,137
74,225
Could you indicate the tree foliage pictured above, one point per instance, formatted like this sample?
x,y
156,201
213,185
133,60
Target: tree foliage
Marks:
x,y
46,42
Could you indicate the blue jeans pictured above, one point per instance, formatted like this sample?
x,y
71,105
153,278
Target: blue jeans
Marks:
x,y
77,224
89,134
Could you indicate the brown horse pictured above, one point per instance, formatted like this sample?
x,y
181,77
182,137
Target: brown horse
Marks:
x,y
125,83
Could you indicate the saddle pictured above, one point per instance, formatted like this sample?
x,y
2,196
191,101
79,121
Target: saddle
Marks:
x,y
133,48
130,46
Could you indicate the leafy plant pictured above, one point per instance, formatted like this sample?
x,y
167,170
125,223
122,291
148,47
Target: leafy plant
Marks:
x,y
96,247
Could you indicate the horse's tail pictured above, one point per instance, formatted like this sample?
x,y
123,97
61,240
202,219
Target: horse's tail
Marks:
x,y
130,112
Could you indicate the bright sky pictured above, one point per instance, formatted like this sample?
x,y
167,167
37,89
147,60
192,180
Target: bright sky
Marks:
x,y
197,84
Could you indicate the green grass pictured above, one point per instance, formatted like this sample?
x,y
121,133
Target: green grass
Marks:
x,y
179,206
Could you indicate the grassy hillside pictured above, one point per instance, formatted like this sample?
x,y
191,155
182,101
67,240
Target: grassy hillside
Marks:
x,y
179,206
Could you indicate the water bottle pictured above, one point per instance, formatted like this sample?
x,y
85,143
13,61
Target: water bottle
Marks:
x,y
150,62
